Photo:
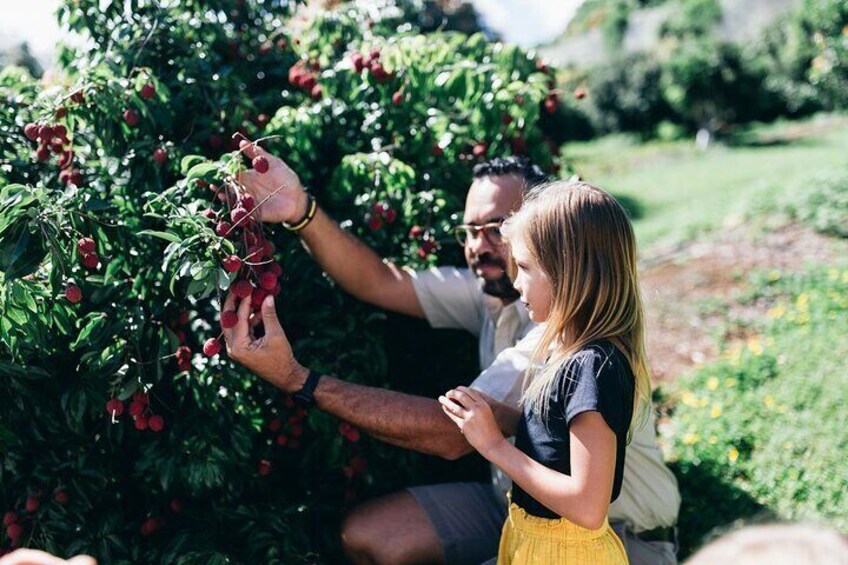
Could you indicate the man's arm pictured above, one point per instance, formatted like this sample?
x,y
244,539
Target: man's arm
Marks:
x,y
348,261
404,420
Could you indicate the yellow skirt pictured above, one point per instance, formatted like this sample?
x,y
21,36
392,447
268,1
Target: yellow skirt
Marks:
x,y
532,540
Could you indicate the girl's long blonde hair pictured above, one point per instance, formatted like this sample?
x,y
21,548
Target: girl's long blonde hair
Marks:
x,y
582,240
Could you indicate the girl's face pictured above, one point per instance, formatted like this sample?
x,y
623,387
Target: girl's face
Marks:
x,y
531,282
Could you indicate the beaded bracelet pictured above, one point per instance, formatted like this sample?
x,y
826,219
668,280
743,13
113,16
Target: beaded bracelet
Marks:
x,y
311,209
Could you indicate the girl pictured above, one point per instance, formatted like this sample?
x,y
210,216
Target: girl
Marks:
x,y
574,263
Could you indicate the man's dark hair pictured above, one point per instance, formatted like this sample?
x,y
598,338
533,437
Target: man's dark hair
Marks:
x,y
519,166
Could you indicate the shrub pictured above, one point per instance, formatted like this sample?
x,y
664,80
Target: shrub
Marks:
x,y
112,275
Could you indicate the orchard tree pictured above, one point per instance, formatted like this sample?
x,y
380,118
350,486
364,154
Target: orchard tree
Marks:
x,y
125,431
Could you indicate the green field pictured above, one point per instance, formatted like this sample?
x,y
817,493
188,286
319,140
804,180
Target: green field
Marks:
x,y
677,192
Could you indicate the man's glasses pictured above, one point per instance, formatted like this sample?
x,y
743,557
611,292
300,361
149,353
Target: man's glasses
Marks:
x,y
465,233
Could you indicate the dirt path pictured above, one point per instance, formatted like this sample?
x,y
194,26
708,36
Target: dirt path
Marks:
x,y
689,292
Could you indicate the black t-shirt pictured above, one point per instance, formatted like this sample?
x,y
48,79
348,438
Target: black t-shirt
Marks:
x,y
596,378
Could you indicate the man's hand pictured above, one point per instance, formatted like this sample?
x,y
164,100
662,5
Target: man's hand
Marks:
x,y
36,557
469,410
286,200
269,356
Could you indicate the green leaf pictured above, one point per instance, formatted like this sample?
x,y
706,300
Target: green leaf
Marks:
x,y
167,236
189,161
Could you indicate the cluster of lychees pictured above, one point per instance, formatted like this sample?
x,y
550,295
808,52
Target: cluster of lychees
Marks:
x,y
139,410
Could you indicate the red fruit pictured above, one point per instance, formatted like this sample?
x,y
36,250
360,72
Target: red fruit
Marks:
x,y
519,99
160,156
275,425
238,215
479,150
248,203
282,43
276,269
78,97
242,289
257,297
229,319
184,366
416,231
267,281
541,66
90,260
42,154
518,145
61,132
141,396
429,246
353,435
579,94
375,223
264,467
223,228
397,98
14,531
437,151
379,73
61,112
296,431
45,133
61,497
308,81
181,336
276,290
316,92
183,354
390,215
156,423
73,294
282,439
374,55
66,160
115,407
265,48
268,249
31,131
359,464
176,506
231,263
260,165
141,423
148,91
358,62
379,208
32,504
150,526
550,105
136,408
131,117
506,119
75,177
209,213
212,347
9,518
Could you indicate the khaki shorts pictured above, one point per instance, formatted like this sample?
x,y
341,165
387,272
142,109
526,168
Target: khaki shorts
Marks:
x,y
468,519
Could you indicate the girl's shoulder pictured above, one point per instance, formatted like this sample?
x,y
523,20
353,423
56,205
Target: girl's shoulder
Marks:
x,y
598,359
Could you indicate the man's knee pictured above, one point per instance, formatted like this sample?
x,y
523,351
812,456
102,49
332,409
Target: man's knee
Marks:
x,y
390,529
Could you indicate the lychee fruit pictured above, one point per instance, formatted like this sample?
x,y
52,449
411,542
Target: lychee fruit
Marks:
x,y
229,319
231,263
211,347
242,289
267,280
131,117
160,156
260,165
90,260
115,406
148,91
156,423
73,294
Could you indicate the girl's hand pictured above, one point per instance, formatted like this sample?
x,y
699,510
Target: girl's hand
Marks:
x,y
469,411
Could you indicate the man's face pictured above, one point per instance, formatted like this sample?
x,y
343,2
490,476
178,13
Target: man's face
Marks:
x,y
491,199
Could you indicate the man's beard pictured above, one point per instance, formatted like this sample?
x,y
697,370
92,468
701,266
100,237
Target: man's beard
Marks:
x,y
501,287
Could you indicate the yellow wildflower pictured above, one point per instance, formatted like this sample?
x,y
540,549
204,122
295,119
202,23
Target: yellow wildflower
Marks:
x,y
733,454
712,383
768,401
716,411
691,439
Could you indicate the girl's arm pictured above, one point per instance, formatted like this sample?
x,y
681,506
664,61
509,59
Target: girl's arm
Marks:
x,y
583,497
506,416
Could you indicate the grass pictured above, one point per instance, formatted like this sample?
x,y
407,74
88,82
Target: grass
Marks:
x,y
761,433
676,192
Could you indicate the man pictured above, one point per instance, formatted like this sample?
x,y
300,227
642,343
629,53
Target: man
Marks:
x,y
452,523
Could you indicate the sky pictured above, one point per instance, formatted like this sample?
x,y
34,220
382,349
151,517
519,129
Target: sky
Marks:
x,y
525,22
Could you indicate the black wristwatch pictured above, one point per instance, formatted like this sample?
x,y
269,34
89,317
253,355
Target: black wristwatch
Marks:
x,y
305,397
